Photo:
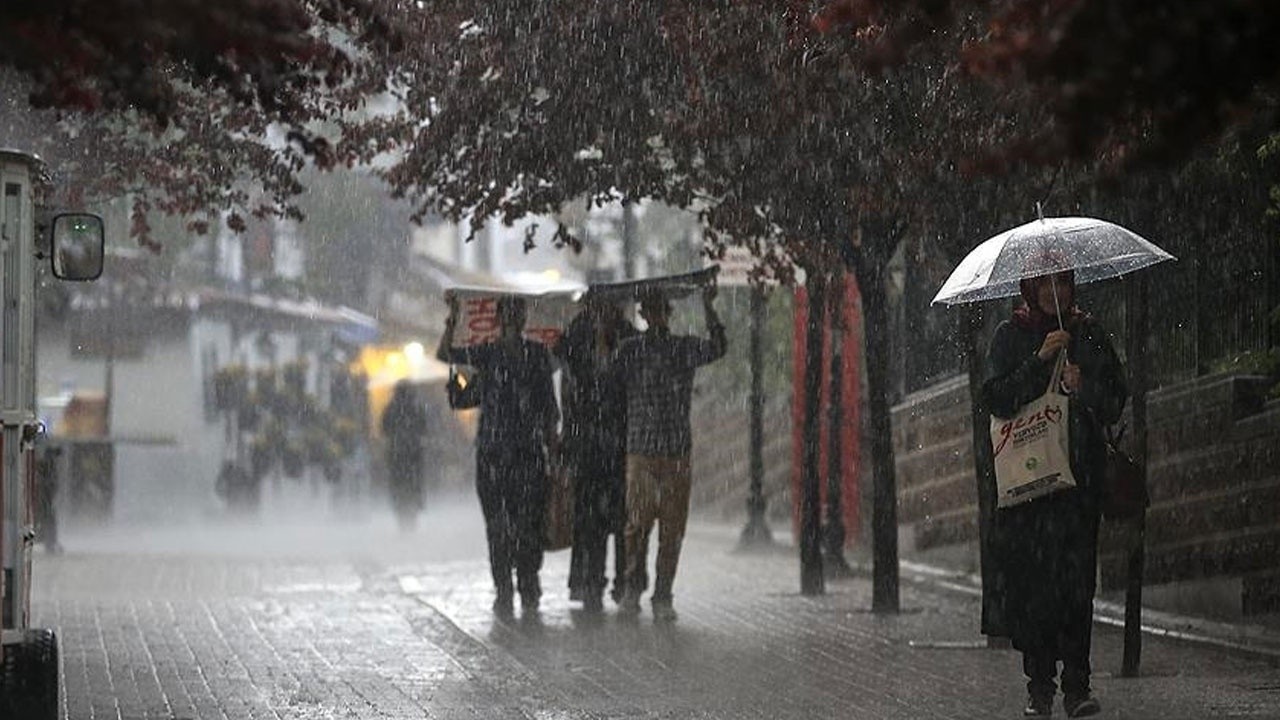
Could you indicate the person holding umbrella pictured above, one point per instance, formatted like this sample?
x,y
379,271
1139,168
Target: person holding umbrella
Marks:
x,y
1045,545
1049,545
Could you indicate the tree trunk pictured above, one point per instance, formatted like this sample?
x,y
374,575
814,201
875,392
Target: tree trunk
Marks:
x,y
1139,380
835,530
983,472
811,576
884,511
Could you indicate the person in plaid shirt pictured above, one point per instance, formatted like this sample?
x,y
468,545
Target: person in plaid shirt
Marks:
x,y
658,369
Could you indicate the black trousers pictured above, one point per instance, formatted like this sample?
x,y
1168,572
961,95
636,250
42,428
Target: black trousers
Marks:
x,y
1071,648
600,510
513,497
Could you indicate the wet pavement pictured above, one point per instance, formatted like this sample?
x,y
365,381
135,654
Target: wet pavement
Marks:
x,y
351,619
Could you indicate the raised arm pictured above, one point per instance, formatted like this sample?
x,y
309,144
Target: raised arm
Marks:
x,y
703,352
446,352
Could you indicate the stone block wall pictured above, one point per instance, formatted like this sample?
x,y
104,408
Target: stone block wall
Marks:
x,y
1214,475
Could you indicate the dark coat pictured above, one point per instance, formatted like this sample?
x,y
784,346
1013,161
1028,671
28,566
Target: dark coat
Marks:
x,y
1046,549
517,398
595,404
405,425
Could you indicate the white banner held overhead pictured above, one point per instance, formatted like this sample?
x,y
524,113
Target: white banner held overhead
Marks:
x,y
549,315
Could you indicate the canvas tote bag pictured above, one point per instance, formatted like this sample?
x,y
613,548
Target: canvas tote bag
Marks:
x,y
1032,454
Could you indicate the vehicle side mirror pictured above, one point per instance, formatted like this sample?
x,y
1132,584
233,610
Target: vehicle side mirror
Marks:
x,y
78,242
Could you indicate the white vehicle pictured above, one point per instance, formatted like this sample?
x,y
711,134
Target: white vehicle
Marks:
x,y
28,656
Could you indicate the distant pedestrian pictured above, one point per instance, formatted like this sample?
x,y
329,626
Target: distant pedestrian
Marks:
x,y
1047,547
595,445
404,427
658,368
518,418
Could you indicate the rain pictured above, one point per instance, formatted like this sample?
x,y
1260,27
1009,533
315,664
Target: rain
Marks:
x,y
372,359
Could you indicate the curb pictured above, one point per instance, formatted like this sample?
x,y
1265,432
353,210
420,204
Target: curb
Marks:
x,y
1253,641
1248,640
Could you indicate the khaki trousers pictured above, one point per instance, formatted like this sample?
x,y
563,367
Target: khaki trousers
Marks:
x,y
657,490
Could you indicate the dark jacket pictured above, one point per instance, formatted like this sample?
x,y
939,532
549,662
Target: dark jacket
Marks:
x,y
404,425
517,401
595,417
1046,549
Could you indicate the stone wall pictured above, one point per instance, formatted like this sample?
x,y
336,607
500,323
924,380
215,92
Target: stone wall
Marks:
x,y
1214,476
721,460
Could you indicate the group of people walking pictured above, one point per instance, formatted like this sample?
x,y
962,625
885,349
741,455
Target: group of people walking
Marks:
x,y
624,436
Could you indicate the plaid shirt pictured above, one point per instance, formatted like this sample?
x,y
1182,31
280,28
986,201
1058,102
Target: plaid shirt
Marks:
x,y
658,369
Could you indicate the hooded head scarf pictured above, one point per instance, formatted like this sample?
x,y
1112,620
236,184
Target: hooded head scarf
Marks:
x,y
1030,316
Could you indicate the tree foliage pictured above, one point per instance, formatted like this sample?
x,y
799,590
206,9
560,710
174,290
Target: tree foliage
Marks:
x,y
1126,80
189,107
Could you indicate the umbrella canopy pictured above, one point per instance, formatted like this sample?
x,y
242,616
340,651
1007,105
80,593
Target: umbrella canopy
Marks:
x,y
1094,249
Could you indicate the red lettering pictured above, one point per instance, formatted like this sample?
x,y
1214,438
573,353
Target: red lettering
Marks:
x,y
1006,431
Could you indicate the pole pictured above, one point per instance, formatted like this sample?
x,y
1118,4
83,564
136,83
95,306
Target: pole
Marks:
x,y
1139,367
811,579
756,533
884,497
628,240
835,530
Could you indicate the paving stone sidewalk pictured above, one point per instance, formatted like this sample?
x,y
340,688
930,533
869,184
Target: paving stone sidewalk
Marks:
x,y
405,632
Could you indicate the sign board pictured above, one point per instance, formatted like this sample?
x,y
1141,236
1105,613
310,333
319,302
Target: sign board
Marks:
x,y
549,315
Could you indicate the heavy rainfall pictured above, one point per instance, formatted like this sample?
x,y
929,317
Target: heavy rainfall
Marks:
x,y
833,359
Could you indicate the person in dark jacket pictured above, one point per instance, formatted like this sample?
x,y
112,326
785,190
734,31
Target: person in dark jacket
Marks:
x,y
404,426
518,418
1047,547
596,445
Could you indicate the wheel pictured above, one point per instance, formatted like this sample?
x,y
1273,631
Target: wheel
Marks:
x,y
30,682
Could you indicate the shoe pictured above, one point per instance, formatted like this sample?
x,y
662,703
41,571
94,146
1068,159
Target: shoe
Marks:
x,y
1081,706
503,606
529,602
664,612
630,606
593,603
1038,707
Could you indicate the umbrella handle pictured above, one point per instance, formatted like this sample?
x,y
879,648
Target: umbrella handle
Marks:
x,y
1056,304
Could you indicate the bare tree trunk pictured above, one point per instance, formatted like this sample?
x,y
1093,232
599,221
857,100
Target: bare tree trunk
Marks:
x,y
884,511
811,575
1139,371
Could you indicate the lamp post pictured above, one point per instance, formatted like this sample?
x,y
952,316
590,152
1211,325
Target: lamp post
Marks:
x,y
756,533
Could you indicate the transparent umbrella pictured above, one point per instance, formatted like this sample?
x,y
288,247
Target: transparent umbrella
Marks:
x,y
1094,249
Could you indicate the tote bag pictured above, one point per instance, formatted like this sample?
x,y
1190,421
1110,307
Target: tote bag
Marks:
x,y
1031,449
559,521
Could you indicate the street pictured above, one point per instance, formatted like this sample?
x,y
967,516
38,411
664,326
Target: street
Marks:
x,y
347,618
